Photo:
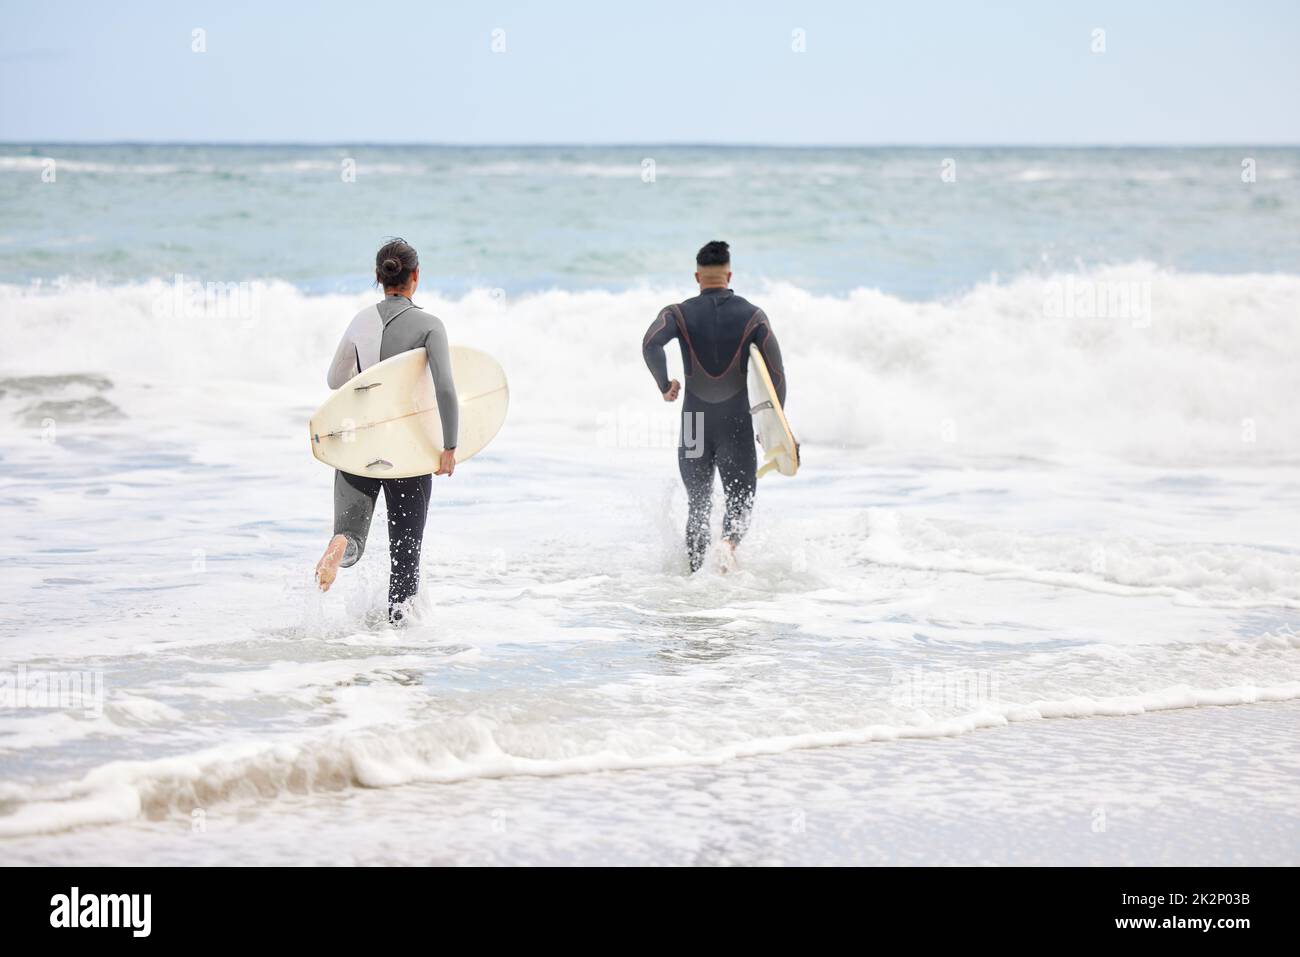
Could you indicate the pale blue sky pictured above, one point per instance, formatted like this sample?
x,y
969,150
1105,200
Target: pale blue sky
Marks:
x,y
705,72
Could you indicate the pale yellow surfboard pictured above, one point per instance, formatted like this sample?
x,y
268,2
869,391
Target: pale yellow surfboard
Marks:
x,y
384,422
780,450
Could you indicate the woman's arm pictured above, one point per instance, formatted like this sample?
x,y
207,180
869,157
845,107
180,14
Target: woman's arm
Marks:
x,y
345,363
444,387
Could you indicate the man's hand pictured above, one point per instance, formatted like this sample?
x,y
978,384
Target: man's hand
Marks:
x,y
446,462
674,388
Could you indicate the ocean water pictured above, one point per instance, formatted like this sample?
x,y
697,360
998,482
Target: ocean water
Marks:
x,y
1052,471
915,223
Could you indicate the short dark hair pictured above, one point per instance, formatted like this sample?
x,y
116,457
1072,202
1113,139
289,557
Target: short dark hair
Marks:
x,y
716,253
394,263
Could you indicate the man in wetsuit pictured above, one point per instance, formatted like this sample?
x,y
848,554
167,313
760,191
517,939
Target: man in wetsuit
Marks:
x,y
714,330
380,332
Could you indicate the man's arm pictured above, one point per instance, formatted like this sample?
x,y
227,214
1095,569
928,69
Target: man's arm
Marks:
x,y
661,332
444,387
770,350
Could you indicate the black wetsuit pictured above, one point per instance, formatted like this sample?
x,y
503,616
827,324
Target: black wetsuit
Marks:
x,y
715,330
407,500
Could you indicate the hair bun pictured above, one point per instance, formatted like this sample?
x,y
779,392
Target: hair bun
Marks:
x,y
395,263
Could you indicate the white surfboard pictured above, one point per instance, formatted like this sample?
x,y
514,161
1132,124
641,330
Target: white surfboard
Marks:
x,y
384,422
780,450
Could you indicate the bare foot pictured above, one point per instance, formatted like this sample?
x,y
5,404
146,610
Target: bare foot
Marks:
x,y
726,556
327,569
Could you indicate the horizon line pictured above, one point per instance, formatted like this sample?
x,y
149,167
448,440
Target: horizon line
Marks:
x,y
671,144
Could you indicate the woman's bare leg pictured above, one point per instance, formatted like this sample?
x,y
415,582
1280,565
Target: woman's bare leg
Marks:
x,y
354,503
327,569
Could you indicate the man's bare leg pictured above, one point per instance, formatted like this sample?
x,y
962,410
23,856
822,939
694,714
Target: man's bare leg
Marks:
x,y
327,569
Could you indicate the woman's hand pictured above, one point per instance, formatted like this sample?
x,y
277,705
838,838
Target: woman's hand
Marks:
x,y
446,462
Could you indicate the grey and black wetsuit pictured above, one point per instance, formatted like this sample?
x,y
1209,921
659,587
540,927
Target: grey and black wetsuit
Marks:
x,y
380,332
715,330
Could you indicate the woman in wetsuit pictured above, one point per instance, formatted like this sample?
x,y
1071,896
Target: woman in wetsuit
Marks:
x,y
380,332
